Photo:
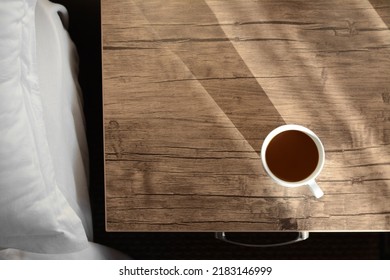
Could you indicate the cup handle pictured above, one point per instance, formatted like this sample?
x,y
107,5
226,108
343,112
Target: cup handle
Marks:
x,y
315,189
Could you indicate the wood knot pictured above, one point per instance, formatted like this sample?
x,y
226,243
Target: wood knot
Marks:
x,y
113,125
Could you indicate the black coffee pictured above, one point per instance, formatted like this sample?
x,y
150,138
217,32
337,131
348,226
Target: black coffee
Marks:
x,y
292,156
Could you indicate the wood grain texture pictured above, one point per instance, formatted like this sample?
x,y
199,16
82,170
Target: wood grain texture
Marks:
x,y
191,89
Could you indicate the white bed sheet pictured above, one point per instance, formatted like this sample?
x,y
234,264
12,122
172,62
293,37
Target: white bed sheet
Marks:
x,y
94,251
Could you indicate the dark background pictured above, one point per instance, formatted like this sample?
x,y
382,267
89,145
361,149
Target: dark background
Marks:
x,y
84,29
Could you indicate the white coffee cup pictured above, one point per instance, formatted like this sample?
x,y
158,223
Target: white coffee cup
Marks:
x,y
310,180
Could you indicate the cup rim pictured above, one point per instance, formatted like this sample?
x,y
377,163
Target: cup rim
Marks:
x,y
312,135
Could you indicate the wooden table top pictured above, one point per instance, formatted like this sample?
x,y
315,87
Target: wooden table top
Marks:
x,y
191,89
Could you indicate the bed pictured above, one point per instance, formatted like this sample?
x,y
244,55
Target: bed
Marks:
x,y
45,211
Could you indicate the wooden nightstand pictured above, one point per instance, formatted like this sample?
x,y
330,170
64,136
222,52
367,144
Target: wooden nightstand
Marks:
x,y
191,89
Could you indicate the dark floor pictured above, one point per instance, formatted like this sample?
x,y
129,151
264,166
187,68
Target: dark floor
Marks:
x,y
85,31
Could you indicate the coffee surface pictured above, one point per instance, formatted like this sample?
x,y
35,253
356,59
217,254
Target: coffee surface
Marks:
x,y
292,156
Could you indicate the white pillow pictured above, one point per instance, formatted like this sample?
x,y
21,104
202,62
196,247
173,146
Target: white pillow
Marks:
x,y
34,214
62,108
